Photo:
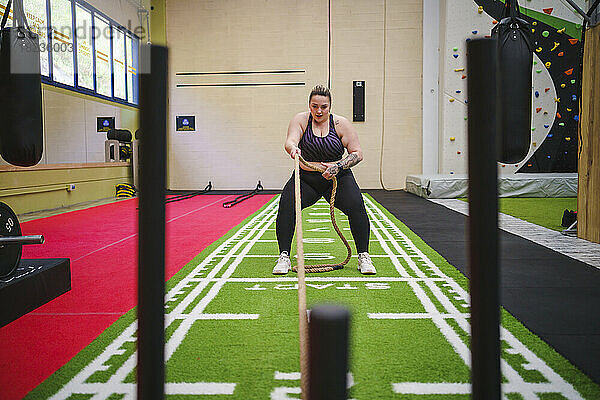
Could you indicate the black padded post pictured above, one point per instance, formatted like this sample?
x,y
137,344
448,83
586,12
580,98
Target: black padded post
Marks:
x,y
483,114
151,257
328,354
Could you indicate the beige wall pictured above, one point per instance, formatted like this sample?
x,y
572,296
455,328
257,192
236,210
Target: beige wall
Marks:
x,y
70,131
240,130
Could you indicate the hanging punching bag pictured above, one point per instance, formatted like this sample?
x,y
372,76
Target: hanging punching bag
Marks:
x,y
515,59
21,135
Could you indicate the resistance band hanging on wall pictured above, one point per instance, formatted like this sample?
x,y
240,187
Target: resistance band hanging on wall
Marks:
x,y
21,135
515,60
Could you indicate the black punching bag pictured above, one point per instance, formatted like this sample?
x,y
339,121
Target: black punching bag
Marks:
x,y
515,59
21,134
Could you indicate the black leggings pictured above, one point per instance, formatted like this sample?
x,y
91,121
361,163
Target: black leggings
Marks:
x,y
313,186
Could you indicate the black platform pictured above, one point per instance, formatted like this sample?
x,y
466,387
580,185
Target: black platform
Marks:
x,y
34,283
554,296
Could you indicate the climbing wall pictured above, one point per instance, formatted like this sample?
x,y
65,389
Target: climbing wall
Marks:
x,y
556,82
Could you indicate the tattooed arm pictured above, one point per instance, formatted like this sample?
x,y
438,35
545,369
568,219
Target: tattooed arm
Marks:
x,y
350,141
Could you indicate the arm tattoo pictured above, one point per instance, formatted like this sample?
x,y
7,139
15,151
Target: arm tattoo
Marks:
x,y
350,161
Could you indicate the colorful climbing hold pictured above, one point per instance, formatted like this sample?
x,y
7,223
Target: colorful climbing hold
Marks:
x,y
546,89
537,110
451,100
548,10
556,44
537,94
452,138
533,129
561,124
545,112
558,115
494,22
534,23
550,135
455,49
530,165
545,34
561,30
562,85
534,62
569,71
538,70
458,152
568,139
539,49
458,69
548,64
576,117
480,9
455,55
574,97
474,32
534,144
562,53
458,91
546,126
572,81
463,77
573,41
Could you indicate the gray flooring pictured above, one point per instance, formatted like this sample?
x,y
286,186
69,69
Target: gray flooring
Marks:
x,y
571,246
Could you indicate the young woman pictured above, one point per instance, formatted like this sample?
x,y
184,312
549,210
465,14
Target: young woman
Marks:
x,y
322,138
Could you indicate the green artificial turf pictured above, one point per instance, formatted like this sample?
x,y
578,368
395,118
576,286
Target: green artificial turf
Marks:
x,y
231,322
543,211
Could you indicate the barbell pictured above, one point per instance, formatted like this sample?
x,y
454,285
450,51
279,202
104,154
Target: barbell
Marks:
x,y
12,241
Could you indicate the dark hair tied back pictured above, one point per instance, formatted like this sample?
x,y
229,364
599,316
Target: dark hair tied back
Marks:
x,y
320,90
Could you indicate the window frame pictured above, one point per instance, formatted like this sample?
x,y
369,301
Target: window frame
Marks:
x,y
49,80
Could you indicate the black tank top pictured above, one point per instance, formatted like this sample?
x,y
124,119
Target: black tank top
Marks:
x,y
321,149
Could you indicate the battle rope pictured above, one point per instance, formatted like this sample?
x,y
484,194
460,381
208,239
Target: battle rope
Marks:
x,y
328,267
186,196
240,198
302,315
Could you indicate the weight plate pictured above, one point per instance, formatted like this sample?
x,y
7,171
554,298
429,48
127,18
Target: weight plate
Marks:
x,y
10,255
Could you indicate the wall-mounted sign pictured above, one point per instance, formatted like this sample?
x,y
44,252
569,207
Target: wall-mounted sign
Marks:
x,y
185,123
105,124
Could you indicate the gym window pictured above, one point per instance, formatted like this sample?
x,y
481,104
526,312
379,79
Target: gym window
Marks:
x,y
83,50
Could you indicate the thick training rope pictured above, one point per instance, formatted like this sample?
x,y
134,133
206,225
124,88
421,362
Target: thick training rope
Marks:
x,y
327,267
302,316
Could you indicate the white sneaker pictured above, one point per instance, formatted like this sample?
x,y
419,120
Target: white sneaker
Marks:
x,y
283,265
365,265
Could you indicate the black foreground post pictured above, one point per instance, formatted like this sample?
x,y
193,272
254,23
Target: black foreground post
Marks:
x,y
328,353
151,231
483,218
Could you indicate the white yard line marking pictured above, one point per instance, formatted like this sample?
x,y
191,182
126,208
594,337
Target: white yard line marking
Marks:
x,y
414,315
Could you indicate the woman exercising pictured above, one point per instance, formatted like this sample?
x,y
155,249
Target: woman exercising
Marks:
x,y
321,137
